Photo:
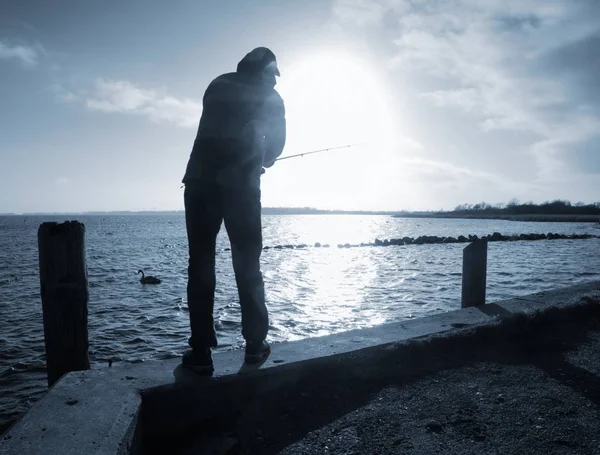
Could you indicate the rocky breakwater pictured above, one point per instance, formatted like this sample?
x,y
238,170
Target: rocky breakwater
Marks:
x,y
433,239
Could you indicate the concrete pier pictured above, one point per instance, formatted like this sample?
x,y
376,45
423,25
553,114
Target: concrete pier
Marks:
x,y
323,392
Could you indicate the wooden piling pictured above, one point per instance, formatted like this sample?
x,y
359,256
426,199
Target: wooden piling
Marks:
x,y
64,292
474,274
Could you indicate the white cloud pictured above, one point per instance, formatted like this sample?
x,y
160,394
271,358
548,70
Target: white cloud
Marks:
x,y
360,12
436,183
488,59
442,174
61,181
467,99
127,98
407,142
27,55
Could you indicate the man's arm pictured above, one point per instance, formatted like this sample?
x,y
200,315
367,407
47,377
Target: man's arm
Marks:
x,y
276,129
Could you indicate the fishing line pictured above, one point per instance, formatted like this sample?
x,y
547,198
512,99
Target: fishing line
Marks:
x,y
318,151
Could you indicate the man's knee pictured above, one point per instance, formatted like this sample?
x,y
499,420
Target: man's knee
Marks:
x,y
246,265
201,271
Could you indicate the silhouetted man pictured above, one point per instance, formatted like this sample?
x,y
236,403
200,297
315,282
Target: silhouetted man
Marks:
x,y
242,130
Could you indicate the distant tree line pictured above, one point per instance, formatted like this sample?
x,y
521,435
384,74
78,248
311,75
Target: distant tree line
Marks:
x,y
556,207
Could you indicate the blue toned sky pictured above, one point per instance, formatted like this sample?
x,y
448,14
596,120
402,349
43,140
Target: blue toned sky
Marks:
x,y
455,101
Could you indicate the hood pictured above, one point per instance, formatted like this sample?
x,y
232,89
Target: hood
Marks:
x,y
257,60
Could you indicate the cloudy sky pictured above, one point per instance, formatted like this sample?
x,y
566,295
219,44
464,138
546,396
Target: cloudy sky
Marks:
x,y
452,101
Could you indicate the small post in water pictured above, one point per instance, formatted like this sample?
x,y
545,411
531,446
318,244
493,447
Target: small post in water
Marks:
x,y
64,292
474,274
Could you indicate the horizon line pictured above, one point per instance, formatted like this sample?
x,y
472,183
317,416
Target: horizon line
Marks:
x,y
308,209
461,207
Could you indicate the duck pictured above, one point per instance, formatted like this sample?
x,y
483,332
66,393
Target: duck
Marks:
x,y
148,279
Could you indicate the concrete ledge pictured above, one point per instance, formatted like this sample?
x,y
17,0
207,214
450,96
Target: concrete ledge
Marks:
x,y
96,411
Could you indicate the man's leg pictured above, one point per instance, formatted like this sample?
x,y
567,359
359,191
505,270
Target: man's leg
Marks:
x,y
203,216
243,223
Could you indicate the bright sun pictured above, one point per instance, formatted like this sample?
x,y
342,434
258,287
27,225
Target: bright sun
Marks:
x,y
333,99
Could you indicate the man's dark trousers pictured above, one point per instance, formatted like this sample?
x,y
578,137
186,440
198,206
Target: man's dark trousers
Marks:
x,y
207,205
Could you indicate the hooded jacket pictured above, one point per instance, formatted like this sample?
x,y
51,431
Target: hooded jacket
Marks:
x,y
242,127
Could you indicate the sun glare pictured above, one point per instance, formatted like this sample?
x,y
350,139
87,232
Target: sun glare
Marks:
x,y
333,99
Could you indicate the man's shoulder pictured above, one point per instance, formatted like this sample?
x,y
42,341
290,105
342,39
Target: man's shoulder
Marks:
x,y
232,75
225,83
226,77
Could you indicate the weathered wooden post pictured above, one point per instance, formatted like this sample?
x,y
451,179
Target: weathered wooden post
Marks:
x,y
474,274
64,291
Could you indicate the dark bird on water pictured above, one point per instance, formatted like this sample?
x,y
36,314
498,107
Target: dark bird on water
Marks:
x,y
148,279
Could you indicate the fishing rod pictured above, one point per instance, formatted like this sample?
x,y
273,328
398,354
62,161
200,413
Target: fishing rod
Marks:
x,y
318,151
311,152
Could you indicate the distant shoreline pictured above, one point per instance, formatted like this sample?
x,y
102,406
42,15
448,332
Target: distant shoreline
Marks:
x,y
571,218
265,211
532,217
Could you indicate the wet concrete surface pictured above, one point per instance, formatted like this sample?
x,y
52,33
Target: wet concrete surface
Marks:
x,y
530,387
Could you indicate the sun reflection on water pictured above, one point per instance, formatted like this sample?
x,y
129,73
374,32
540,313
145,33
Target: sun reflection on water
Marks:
x,y
328,294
